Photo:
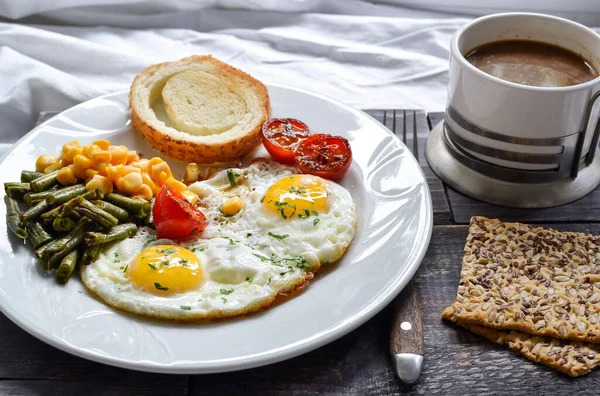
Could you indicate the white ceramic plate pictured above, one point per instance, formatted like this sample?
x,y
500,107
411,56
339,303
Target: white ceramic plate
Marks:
x,y
395,222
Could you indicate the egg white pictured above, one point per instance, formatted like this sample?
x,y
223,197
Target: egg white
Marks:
x,y
244,268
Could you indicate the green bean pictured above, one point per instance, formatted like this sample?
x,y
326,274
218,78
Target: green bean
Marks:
x,y
14,218
27,176
99,216
37,235
63,224
33,198
45,182
68,207
69,243
65,194
90,254
34,211
42,252
66,267
121,231
134,205
16,190
114,210
138,219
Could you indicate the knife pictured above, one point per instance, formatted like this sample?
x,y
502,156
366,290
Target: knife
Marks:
x,y
406,338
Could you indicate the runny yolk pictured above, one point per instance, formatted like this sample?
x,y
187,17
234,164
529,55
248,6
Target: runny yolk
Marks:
x,y
297,196
166,269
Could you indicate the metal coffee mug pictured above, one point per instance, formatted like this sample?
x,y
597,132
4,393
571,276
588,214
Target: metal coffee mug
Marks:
x,y
519,134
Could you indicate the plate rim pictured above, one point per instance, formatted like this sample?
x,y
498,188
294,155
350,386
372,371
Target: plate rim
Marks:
x,y
289,351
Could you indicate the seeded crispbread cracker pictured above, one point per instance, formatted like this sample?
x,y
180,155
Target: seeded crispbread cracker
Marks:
x,y
573,358
536,280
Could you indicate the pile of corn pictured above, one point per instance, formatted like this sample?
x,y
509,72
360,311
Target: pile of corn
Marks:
x,y
105,166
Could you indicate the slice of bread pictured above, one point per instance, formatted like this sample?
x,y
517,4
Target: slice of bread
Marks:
x,y
199,109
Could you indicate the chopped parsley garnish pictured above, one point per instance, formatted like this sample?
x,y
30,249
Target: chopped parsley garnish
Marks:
x,y
325,263
281,208
269,280
116,254
231,241
248,235
300,261
249,279
167,251
231,177
149,241
315,212
224,299
262,199
185,307
117,261
316,221
125,269
285,272
164,263
278,236
160,287
226,291
152,266
183,261
298,190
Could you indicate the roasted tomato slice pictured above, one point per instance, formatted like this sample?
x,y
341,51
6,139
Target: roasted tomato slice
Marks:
x,y
281,137
324,155
175,217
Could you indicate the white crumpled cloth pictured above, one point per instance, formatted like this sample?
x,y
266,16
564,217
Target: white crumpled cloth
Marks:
x,y
55,54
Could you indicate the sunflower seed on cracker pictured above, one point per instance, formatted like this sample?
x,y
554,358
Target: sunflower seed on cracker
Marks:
x,y
525,274
573,358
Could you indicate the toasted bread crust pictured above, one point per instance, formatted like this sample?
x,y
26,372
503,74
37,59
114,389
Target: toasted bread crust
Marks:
x,y
194,149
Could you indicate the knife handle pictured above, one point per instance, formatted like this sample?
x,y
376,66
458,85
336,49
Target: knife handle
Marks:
x,y
406,338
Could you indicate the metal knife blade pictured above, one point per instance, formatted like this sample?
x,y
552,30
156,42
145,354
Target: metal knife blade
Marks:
x,y
406,338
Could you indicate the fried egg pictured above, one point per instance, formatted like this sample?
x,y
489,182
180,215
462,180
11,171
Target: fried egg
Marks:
x,y
288,226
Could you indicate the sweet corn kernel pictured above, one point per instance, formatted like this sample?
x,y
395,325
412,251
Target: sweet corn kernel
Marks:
x,y
90,173
118,155
100,167
100,182
175,184
82,162
190,196
63,162
160,172
101,155
87,150
119,182
70,153
66,176
102,143
147,181
112,172
44,161
132,156
144,192
131,183
68,147
79,172
155,160
130,168
232,206
53,167
143,164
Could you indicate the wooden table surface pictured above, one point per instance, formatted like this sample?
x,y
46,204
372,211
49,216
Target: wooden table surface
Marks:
x,y
456,361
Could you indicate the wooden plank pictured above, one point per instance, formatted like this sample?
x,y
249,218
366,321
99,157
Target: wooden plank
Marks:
x,y
87,387
26,358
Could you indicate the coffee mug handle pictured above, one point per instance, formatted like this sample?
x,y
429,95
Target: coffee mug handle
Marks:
x,y
595,139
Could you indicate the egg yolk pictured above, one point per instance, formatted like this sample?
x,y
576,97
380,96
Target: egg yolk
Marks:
x,y
166,269
297,196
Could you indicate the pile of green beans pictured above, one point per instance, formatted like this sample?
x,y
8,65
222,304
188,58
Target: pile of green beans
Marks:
x,y
69,226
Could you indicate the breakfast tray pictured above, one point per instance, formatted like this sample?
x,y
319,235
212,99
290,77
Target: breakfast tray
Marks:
x,y
457,362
